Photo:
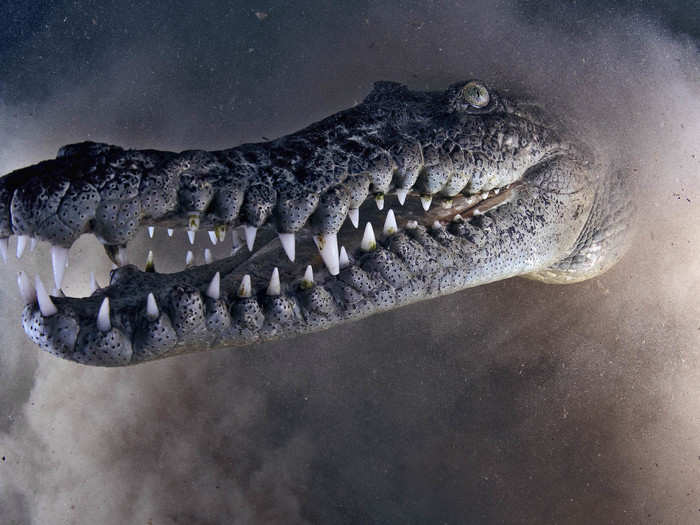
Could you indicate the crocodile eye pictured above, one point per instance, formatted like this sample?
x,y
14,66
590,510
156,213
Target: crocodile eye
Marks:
x,y
475,94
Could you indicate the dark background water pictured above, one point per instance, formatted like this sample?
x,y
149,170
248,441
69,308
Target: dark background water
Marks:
x,y
515,402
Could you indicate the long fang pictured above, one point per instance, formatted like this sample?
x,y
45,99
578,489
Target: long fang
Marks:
x,y
214,288
103,323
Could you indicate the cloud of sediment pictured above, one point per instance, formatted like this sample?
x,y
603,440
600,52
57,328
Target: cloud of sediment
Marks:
x,y
397,419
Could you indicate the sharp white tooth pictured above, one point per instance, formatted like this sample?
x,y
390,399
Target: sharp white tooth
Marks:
x,y
425,200
354,214
344,259
485,195
190,236
220,232
151,307
214,288
150,267
94,285
212,237
59,256
46,305
3,249
328,248
236,242
401,194
170,232
246,289
446,204
26,288
32,244
121,256
437,225
189,257
496,191
21,244
250,233
457,218
379,199
390,226
151,231
274,288
289,244
308,280
207,256
369,243
412,225
103,324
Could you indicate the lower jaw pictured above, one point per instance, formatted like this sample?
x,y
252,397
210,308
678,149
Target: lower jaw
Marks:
x,y
204,324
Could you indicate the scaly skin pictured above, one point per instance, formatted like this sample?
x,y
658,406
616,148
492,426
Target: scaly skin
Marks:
x,y
512,193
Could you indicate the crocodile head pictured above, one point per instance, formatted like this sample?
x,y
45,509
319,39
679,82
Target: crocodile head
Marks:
x,y
403,197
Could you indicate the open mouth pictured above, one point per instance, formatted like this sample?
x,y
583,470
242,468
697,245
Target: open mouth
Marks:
x,y
345,218
143,312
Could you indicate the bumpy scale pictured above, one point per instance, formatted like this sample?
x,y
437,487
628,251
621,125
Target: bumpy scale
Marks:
x,y
485,188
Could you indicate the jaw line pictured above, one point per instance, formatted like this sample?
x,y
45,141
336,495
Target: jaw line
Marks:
x,y
297,185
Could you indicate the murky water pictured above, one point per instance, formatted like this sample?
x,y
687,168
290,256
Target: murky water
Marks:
x,y
512,403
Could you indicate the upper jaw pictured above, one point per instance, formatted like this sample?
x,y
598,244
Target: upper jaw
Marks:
x,y
306,185
310,178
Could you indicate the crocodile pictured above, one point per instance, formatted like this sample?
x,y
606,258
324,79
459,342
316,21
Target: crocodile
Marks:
x,y
455,188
